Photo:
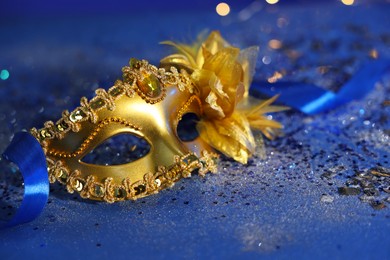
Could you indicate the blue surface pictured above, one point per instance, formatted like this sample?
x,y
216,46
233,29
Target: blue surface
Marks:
x,y
285,205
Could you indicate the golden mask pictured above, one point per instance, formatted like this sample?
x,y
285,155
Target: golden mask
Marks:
x,y
149,103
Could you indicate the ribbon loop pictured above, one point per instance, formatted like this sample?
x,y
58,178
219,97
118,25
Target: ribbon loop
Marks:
x,y
26,152
311,99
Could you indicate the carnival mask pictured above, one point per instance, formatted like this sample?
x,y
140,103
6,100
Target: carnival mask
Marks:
x,y
149,103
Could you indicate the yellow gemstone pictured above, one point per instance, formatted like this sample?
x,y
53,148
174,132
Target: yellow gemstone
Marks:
x,y
150,86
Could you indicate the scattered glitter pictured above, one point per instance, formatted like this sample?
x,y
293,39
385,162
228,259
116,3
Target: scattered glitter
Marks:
x,y
327,199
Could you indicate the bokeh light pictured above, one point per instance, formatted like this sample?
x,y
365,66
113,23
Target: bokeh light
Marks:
x,y
348,2
271,2
275,77
223,9
282,22
275,44
4,74
266,60
373,54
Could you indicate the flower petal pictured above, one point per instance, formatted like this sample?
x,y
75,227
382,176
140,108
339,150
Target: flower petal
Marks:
x,y
263,122
209,133
231,136
212,101
229,72
215,42
264,107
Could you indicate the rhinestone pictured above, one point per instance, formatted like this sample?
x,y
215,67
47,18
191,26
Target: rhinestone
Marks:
x,y
150,86
120,193
97,103
99,190
77,115
63,176
139,189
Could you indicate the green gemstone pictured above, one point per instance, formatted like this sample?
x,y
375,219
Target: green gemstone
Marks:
x,y
120,193
116,91
77,115
140,189
63,176
99,190
97,103
134,63
150,86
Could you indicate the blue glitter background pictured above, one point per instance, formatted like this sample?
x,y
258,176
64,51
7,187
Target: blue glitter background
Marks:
x,y
285,205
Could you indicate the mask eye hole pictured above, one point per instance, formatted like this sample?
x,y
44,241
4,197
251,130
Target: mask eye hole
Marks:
x,y
117,150
186,128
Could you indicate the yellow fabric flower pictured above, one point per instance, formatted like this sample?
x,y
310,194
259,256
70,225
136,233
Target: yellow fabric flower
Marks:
x,y
222,74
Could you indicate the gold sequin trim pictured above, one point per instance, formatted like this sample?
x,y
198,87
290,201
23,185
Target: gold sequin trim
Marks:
x,y
92,135
70,121
152,182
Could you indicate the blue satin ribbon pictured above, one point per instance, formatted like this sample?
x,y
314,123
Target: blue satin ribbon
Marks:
x,y
26,152
311,99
